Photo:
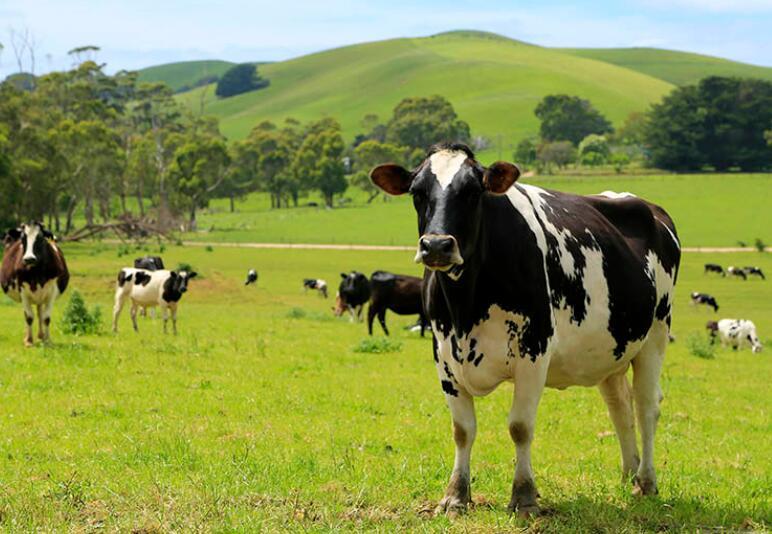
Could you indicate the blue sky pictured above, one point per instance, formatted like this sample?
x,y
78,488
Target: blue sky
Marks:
x,y
144,32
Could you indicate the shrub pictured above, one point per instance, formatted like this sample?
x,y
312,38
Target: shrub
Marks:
x,y
209,248
700,346
378,345
240,79
760,245
619,161
78,319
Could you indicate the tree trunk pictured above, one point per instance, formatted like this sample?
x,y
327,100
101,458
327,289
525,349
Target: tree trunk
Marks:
x,y
233,204
192,223
328,200
89,210
140,199
372,196
123,203
70,212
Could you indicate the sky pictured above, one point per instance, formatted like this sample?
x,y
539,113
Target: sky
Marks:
x,y
139,33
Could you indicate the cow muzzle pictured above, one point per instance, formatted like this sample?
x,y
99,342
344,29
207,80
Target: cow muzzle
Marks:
x,y
438,252
29,260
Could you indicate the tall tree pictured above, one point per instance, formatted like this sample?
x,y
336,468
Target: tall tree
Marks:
x,y
569,118
421,122
319,159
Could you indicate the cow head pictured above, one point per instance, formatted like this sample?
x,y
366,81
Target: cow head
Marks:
x,y
179,281
33,237
339,307
448,191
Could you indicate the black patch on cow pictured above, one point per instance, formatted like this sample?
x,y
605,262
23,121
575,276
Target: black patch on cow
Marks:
x,y
172,291
454,350
47,321
354,289
123,277
449,373
28,319
447,387
472,355
663,308
434,349
479,359
142,279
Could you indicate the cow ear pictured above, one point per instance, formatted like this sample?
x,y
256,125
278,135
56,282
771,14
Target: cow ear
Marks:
x,y
192,274
48,234
343,275
13,234
500,176
393,179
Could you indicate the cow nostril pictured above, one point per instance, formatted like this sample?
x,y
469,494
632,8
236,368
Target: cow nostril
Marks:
x,y
446,245
423,244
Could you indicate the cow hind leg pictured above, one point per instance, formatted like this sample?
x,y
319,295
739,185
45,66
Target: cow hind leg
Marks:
x,y
459,491
134,309
382,320
41,330
619,400
120,300
647,365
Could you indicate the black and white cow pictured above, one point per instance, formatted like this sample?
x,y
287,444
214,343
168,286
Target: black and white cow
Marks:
x,y
756,271
34,273
539,288
704,298
149,263
714,268
317,284
399,293
353,293
251,277
737,271
735,333
148,289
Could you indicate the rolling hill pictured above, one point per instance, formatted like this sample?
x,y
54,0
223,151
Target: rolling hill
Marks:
x,y
183,73
678,68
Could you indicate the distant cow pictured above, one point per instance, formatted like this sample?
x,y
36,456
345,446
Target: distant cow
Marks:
x,y
714,268
396,292
148,289
317,284
34,273
353,293
748,270
149,263
251,277
736,271
704,298
735,333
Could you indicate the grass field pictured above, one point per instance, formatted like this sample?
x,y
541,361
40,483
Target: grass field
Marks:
x,y
175,75
709,210
261,416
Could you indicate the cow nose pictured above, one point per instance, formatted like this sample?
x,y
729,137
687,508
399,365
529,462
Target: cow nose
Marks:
x,y
29,260
436,246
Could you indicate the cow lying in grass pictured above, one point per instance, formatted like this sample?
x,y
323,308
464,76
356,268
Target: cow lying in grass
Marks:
x,y
735,333
148,289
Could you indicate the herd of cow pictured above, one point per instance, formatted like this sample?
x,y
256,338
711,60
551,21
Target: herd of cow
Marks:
x,y
534,287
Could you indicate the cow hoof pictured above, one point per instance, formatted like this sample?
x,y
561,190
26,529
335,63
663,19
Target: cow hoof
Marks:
x,y
526,511
451,506
524,499
644,487
29,343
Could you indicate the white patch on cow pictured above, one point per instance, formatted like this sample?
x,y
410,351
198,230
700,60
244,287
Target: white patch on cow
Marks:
x,y
672,235
663,281
615,195
44,294
32,234
445,164
735,333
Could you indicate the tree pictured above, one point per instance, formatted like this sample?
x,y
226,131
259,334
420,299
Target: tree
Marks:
x,y
594,150
319,159
421,122
570,118
674,130
240,79
368,155
525,153
559,153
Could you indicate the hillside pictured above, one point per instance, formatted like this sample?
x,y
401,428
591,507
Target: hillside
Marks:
x,y
493,82
678,68
177,75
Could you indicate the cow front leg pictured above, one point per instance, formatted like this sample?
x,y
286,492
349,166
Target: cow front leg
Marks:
x,y
29,318
165,313
41,330
619,400
459,493
529,385
174,319
45,319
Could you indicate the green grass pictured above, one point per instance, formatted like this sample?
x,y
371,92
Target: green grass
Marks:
x,y
175,75
250,420
493,82
678,68
709,210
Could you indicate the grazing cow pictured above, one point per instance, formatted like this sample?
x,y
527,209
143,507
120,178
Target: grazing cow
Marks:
x,y
704,298
317,284
736,271
735,333
714,268
149,263
353,293
34,273
748,270
148,289
396,292
251,277
539,288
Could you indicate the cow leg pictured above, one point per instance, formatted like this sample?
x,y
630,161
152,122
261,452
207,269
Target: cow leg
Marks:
x,y
41,332
530,378
120,300
647,365
370,317
459,493
134,308
29,317
174,319
382,320
619,400
165,314
45,319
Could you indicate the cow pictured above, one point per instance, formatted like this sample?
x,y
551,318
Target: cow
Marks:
x,y
353,294
749,270
704,298
148,289
149,263
33,273
735,333
396,292
317,284
251,277
714,268
539,288
736,271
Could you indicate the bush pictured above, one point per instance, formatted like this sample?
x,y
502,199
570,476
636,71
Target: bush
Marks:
x,y
378,345
240,79
184,266
78,320
700,346
760,245
619,161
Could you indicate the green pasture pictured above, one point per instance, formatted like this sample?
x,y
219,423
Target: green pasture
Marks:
x,y
710,210
260,416
181,73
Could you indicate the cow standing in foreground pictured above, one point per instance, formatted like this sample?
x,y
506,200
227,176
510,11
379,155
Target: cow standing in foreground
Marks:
x,y
147,289
353,294
34,273
396,292
539,288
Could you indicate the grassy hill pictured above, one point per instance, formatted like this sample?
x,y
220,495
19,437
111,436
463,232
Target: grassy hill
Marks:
x,y
493,82
182,73
678,68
